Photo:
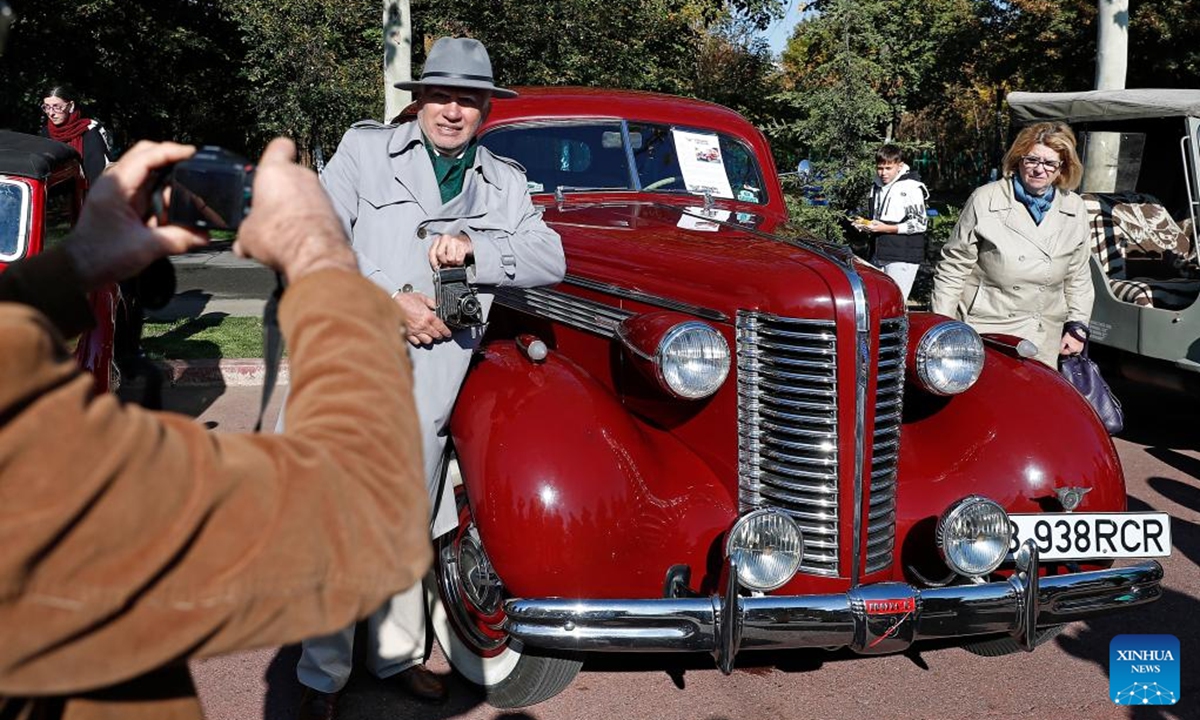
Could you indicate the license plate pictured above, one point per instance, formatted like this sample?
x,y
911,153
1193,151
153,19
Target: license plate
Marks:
x,y
1085,536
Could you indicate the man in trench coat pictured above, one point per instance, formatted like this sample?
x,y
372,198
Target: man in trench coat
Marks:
x,y
415,197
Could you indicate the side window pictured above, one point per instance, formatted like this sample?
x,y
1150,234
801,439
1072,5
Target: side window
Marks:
x,y
1112,161
60,211
745,179
14,219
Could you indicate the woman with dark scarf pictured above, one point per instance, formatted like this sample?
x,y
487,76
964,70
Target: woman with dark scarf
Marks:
x,y
1017,261
65,123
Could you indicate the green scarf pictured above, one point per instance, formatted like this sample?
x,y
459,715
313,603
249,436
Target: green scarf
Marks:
x,y
450,172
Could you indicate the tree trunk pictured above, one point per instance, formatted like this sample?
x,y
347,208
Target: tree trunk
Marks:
x,y
397,56
1112,43
1112,56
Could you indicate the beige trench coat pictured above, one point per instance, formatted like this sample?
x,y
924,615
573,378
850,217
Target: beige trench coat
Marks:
x,y
1002,273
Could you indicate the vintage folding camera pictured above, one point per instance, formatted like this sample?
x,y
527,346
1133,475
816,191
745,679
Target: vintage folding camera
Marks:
x,y
457,304
210,190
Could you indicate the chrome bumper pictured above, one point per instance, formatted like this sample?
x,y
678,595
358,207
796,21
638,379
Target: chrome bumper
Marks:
x,y
870,619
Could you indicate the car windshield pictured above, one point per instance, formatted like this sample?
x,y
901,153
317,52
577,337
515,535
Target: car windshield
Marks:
x,y
14,219
574,156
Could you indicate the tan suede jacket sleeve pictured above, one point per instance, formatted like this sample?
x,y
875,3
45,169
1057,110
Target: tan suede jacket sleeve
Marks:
x,y
130,539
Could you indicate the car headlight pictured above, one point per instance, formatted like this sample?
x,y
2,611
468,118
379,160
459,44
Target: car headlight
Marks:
x,y
949,358
687,358
973,536
767,547
693,360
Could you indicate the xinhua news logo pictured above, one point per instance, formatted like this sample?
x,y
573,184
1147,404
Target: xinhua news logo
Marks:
x,y
1144,669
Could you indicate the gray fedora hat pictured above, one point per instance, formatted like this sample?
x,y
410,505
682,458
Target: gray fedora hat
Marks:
x,y
458,62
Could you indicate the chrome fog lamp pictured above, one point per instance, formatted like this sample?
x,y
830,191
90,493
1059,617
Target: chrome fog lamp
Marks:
x,y
973,536
767,547
693,360
949,358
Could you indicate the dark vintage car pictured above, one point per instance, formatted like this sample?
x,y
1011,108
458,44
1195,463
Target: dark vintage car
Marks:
x,y
713,438
41,192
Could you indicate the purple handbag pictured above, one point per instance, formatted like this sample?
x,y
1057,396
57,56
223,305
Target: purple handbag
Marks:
x,y
1081,372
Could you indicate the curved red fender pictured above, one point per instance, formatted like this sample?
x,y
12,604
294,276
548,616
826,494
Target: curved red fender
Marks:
x,y
1018,434
571,496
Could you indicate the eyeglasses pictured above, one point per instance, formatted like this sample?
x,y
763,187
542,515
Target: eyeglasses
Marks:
x,y
1032,161
47,108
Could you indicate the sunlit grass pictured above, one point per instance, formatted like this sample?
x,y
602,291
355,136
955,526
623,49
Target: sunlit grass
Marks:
x,y
213,335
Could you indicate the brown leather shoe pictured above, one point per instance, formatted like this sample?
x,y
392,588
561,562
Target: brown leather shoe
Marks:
x,y
421,683
316,705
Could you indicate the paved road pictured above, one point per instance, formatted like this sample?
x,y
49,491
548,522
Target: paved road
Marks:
x,y
214,280
1065,680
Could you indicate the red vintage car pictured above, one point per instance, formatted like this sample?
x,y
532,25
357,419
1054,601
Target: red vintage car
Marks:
x,y
41,192
711,437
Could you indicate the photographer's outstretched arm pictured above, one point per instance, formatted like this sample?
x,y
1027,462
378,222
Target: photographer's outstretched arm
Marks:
x,y
148,526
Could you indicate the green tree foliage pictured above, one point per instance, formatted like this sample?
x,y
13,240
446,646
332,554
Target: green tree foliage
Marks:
x,y
311,68
643,44
1164,44
836,108
733,67
146,68
236,72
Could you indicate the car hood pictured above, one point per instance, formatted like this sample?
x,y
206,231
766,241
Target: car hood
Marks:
x,y
724,262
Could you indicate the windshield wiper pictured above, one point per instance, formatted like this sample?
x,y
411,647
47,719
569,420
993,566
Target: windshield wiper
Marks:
x,y
561,189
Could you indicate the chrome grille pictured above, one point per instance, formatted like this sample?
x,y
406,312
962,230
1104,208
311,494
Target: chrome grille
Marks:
x,y
788,431
885,453
787,427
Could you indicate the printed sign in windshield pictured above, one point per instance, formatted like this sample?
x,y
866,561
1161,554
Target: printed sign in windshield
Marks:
x,y
701,163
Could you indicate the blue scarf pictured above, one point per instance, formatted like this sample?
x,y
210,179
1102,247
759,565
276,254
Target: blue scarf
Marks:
x,y
1038,205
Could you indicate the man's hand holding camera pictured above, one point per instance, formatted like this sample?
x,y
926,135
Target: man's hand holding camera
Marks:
x,y
424,325
450,251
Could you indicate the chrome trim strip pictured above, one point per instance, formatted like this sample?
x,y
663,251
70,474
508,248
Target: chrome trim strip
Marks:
x,y
580,313
647,298
888,408
862,376
622,334
835,620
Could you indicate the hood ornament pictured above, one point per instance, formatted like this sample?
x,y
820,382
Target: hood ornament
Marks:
x,y
1070,497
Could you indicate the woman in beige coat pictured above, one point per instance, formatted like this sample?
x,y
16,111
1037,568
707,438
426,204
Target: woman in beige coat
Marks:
x,y
1017,262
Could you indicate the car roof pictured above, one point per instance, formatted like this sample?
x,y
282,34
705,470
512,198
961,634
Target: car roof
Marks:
x,y
577,102
1135,104
31,155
